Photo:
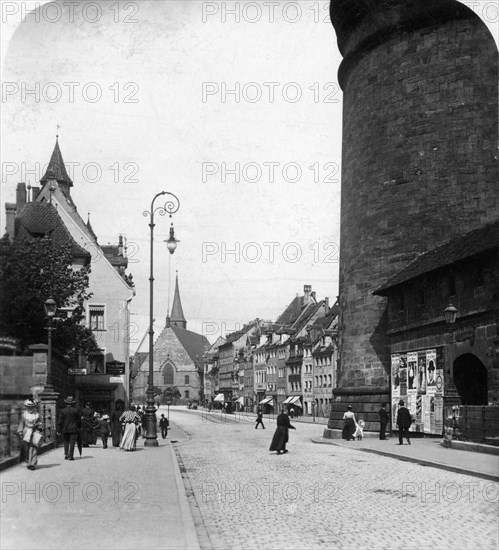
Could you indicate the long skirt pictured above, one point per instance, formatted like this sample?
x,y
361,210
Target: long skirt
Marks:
x,y
280,439
116,433
29,453
129,437
87,435
348,429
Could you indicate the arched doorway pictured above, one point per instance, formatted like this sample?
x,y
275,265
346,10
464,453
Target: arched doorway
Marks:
x,y
470,378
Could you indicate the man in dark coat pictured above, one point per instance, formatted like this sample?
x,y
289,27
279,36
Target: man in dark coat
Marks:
x,y
259,419
163,424
68,425
281,434
404,422
383,421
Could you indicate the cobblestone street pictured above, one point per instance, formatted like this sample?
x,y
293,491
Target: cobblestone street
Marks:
x,y
321,496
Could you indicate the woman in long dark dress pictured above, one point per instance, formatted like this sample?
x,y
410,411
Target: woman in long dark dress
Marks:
x,y
116,426
87,424
350,424
281,435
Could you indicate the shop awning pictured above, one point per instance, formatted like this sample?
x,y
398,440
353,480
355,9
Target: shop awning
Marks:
x,y
265,400
295,400
239,400
220,398
287,400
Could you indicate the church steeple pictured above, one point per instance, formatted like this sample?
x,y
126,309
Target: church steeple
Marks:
x,y
56,170
177,317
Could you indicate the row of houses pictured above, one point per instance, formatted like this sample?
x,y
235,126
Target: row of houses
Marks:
x,y
289,363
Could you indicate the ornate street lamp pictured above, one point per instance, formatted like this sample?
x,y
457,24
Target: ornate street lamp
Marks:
x,y
50,311
171,206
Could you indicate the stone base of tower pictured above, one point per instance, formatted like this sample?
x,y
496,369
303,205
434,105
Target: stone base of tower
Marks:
x,y
365,401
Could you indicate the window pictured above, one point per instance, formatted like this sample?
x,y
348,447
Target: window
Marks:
x,y
96,317
96,363
168,375
186,380
187,394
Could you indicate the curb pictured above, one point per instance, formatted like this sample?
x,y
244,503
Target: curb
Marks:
x,y
419,461
190,531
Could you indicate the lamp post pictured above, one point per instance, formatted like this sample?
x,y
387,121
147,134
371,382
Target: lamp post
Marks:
x,y
171,206
50,310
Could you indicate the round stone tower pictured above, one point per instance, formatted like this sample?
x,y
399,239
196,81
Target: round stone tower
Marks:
x,y
419,161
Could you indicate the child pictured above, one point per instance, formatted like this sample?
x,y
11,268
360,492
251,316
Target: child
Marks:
x,y
104,429
359,432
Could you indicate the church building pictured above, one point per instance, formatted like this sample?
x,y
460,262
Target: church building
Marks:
x,y
178,359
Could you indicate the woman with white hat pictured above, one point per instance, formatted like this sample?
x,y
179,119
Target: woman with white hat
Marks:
x,y
29,430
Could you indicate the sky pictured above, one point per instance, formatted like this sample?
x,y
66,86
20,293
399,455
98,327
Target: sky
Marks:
x,y
232,106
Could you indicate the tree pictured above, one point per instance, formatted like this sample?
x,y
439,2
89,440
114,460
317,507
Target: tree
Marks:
x,y
172,392
32,271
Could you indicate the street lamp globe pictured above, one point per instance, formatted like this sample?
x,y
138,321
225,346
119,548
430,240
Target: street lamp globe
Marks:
x,y
50,307
171,243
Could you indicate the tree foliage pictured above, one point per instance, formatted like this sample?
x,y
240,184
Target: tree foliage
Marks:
x,y
32,271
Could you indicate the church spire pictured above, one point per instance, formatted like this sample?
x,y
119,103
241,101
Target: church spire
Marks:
x,y
177,317
56,170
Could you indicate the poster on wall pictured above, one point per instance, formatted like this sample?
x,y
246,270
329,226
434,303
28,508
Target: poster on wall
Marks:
x,y
412,367
426,425
411,406
419,413
395,375
403,374
421,371
431,376
439,415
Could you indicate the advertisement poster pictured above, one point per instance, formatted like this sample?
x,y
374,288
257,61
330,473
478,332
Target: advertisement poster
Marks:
x,y
403,374
439,414
431,375
411,406
412,367
422,371
395,408
426,413
395,375
419,413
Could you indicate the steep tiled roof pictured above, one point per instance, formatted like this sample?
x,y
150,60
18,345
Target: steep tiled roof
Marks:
x,y
459,248
41,218
56,169
292,312
194,344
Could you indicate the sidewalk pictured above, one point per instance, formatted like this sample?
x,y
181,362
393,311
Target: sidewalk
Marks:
x,y
108,498
427,452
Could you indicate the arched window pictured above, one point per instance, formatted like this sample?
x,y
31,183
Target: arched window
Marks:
x,y
168,374
186,380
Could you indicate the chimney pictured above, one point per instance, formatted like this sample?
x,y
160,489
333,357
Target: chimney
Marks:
x,y
326,305
10,217
313,295
20,197
120,246
307,289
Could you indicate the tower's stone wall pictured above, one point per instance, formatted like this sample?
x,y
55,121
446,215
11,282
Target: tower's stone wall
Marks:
x,y
419,162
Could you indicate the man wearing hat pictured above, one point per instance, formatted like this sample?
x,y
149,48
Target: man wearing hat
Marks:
x,y
404,422
68,424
